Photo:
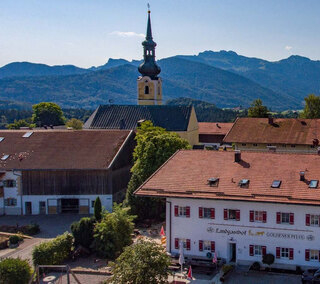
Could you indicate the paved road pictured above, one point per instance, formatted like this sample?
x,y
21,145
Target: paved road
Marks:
x,y
50,227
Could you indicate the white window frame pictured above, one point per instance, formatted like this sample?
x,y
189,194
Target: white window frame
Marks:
x,y
314,220
207,245
257,250
314,255
182,211
284,253
284,218
257,215
184,243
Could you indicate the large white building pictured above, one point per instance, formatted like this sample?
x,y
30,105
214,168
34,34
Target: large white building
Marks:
x,y
241,206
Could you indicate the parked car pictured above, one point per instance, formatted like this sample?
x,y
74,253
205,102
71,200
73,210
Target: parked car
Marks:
x,y
311,276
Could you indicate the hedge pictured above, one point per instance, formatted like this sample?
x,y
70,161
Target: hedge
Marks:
x,y
14,270
82,231
53,252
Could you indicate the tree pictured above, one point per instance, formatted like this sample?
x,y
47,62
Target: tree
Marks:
x,y
257,109
82,231
312,107
47,114
75,123
143,262
97,209
155,145
20,123
114,232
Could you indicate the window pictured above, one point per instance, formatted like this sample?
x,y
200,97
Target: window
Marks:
x,y
293,146
285,218
258,216
185,242
255,145
92,203
269,145
207,245
244,183
314,255
10,202
284,253
257,250
1,139
276,184
314,220
182,211
313,183
146,90
9,183
27,134
243,144
4,157
283,145
207,212
213,181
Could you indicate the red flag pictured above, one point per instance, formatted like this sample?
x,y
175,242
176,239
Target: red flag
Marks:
x,y
190,273
162,233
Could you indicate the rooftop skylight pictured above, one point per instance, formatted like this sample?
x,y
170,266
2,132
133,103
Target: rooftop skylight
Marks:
x,y
27,134
244,183
276,184
313,183
4,157
1,139
213,181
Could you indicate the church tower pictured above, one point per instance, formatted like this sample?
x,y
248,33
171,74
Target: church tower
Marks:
x,y
149,84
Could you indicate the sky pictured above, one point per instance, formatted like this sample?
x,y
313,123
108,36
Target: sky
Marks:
x,y
86,33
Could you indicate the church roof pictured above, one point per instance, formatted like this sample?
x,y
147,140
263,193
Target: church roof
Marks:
x,y
172,118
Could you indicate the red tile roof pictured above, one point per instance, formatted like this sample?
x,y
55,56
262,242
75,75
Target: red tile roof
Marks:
x,y
214,128
60,149
282,131
186,173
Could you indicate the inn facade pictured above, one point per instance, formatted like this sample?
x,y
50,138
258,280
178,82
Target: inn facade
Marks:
x,y
241,206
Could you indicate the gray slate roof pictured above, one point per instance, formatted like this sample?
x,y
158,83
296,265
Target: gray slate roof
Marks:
x,y
172,118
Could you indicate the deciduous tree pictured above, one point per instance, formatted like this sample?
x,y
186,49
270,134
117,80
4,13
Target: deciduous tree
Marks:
x,y
75,123
47,114
312,107
257,109
140,263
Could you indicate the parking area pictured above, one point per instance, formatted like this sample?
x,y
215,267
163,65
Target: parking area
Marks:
x,y
254,277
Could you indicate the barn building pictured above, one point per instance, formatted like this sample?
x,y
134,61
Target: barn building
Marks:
x,y
241,206
63,171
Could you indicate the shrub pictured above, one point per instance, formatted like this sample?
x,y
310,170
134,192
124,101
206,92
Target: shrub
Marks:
x,y
15,239
82,231
53,252
97,209
226,268
14,270
31,229
255,266
268,259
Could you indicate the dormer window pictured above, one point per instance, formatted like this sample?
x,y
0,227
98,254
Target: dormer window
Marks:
x,y
276,184
213,182
244,183
313,183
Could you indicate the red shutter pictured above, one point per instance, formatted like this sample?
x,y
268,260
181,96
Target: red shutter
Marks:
x,y
278,217
251,250
264,216
264,250
251,216
213,246
290,253
188,244
201,245
319,224
291,219
212,213
176,243
188,211
225,214
176,210
277,252
307,254
238,215
200,212
307,219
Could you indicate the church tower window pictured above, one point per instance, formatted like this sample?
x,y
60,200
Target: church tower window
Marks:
x,y
146,90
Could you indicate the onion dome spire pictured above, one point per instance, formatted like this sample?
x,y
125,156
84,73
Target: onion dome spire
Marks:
x,y
149,66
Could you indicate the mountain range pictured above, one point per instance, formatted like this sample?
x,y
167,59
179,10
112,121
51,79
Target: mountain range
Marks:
x,y
224,78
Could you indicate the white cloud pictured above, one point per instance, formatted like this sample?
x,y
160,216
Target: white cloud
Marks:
x,y
127,34
288,48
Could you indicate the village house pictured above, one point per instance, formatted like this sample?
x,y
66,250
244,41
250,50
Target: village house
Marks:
x,y
63,171
213,133
275,134
241,206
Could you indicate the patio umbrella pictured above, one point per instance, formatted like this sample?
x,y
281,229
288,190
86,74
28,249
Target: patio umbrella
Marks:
x,y
181,257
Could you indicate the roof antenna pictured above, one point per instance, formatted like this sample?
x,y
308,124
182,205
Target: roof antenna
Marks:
x,y
148,7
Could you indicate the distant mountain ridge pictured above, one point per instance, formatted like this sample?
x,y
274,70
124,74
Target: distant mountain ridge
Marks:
x,y
223,78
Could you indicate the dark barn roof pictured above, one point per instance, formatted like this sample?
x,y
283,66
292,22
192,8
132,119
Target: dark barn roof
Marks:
x,y
60,149
172,118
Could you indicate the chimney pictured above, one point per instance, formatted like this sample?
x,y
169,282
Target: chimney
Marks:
x,y
270,120
237,156
302,178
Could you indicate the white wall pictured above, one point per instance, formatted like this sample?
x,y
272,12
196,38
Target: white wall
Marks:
x,y
195,229
12,192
